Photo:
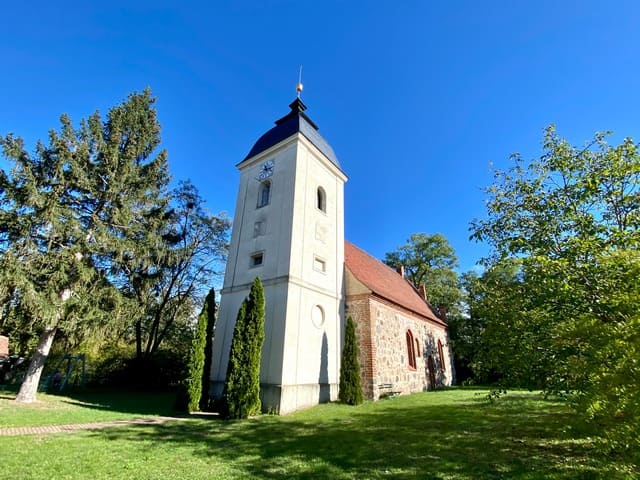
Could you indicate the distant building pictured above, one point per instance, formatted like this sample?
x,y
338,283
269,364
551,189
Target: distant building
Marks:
x,y
288,229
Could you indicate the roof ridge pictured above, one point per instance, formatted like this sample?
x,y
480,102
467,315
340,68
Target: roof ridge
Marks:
x,y
385,282
377,260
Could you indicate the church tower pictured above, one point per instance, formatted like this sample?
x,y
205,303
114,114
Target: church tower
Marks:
x,y
288,229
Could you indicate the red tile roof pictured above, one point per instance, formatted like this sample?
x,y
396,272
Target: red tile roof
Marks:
x,y
385,281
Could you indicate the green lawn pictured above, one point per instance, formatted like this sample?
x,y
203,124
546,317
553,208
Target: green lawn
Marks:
x,y
82,408
453,434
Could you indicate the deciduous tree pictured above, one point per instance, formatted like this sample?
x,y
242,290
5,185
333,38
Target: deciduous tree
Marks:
x,y
169,270
572,220
429,260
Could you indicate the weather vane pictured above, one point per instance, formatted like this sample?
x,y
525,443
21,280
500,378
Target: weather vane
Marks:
x,y
299,85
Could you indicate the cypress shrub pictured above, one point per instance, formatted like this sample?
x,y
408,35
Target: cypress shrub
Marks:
x,y
210,307
241,394
350,391
196,370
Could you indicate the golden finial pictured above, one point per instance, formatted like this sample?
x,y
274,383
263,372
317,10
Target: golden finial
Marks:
x,y
299,86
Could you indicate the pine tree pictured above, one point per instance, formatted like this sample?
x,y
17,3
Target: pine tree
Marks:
x,y
241,395
73,209
350,391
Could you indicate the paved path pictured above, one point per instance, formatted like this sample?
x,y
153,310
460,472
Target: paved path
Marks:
x,y
43,430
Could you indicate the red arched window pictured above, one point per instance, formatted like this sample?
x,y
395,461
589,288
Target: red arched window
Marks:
x,y
441,354
411,352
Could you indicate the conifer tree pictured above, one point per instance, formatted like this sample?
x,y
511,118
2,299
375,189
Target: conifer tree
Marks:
x,y
210,305
350,391
241,395
73,209
196,372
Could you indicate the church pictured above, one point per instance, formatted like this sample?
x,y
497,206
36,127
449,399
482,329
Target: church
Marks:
x,y
288,229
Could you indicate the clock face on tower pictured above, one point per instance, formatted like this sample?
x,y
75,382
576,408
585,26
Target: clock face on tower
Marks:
x,y
266,170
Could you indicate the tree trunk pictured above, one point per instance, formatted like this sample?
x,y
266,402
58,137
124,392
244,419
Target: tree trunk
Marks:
x,y
29,387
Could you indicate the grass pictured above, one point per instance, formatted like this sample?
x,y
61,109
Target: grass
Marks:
x,y
82,408
453,434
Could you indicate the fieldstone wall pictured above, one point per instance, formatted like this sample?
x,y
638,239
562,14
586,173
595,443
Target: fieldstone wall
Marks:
x,y
391,325
381,329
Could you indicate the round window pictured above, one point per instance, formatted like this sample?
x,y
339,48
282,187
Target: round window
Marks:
x,y
317,316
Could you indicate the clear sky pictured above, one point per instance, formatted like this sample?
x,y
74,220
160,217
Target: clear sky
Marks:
x,y
419,99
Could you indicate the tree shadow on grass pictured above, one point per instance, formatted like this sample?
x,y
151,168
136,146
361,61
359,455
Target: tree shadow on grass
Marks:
x,y
134,403
398,439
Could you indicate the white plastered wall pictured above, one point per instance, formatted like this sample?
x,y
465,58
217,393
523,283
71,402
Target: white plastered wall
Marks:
x,y
300,359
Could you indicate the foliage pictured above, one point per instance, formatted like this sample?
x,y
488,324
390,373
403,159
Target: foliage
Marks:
x,y
167,277
241,394
429,260
350,391
465,330
196,374
94,244
161,372
568,320
507,339
528,438
69,210
210,308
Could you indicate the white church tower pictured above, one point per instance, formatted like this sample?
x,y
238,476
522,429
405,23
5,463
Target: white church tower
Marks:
x,y
288,229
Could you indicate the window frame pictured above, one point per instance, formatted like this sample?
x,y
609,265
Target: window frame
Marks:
x,y
265,186
321,199
254,257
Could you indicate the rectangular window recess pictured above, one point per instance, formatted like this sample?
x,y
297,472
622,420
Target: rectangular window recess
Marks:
x,y
259,229
257,259
319,265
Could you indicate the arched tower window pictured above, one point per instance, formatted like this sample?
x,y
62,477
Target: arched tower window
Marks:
x,y
411,352
264,193
321,199
441,355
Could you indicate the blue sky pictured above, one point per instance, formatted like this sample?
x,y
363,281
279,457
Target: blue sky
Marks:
x,y
419,99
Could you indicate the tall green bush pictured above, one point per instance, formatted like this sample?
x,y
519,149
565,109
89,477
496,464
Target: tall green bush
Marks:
x,y
210,308
350,390
196,371
241,395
